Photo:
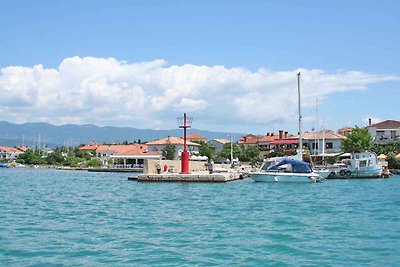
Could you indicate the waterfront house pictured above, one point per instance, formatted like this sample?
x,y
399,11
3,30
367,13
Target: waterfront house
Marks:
x,y
314,141
160,145
345,130
217,145
121,155
195,138
9,153
385,131
248,140
286,145
133,156
91,148
264,142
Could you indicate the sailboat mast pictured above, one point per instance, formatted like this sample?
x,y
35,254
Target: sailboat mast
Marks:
x,y
299,103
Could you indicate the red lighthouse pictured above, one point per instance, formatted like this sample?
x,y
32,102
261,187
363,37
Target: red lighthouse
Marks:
x,y
185,122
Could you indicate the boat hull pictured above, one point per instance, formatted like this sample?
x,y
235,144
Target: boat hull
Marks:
x,y
283,177
353,173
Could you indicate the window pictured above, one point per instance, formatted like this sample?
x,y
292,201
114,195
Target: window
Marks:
x,y
329,145
380,133
363,163
393,134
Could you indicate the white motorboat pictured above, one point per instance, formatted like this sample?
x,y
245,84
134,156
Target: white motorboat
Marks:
x,y
285,170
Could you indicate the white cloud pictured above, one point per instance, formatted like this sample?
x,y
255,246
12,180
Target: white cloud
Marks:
x,y
151,94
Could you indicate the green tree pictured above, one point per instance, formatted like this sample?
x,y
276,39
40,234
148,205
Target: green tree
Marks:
x,y
205,149
169,152
31,157
226,151
358,140
393,163
252,154
55,158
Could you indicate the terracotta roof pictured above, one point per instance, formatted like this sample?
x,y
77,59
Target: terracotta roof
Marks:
x,y
346,129
88,147
329,134
92,146
22,148
8,149
172,141
269,138
248,139
194,136
123,148
388,124
285,141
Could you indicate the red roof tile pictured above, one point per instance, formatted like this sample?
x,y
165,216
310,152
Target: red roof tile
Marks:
x,y
8,149
194,136
285,141
388,124
172,141
329,134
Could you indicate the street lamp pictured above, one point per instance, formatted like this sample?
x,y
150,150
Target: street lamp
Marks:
x,y
184,122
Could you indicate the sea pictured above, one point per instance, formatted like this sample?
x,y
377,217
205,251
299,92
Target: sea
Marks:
x,y
76,218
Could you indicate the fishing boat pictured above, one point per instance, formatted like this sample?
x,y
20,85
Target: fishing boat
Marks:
x,y
358,165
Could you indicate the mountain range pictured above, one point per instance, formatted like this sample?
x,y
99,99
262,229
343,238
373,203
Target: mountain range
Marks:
x,y
40,134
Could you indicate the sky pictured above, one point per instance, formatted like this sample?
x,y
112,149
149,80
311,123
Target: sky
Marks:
x,y
231,65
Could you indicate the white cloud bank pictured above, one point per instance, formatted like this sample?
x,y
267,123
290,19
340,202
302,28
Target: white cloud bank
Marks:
x,y
151,94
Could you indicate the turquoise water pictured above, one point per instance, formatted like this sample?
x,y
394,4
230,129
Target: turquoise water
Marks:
x,y
68,218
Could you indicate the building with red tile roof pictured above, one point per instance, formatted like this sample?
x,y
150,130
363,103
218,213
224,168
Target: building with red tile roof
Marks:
x,y
385,131
9,152
314,141
159,145
195,137
125,155
345,130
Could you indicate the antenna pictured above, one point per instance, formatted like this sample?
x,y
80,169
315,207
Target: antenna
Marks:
x,y
299,103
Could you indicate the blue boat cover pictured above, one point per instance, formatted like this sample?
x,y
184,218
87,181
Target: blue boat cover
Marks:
x,y
297,166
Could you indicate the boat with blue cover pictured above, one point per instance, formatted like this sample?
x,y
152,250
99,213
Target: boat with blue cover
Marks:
x,y
285,170
4,165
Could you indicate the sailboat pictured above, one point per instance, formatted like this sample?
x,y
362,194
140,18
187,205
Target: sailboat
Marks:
x,y
287,169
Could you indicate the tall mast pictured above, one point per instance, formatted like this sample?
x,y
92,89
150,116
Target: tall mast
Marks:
x,y
299,103
316,148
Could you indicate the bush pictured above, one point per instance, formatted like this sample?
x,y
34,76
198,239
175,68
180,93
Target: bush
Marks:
x,y
94,163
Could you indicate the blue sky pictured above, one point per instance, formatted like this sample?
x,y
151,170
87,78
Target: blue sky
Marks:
x,y
277,36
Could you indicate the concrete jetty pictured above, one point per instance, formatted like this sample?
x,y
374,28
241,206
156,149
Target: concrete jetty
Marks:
x,y
193,177
115,169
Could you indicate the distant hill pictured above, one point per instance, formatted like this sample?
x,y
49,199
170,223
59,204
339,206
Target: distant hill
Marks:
x,y
33,134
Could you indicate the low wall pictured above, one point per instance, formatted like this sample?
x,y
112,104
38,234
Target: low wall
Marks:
x,y
174,166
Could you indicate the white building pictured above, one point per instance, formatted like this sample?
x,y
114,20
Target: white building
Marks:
x,y
385,131
11,153
159,146
314,141
122,155
217,144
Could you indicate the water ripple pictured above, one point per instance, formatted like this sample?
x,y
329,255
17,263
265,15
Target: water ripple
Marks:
x,y
60,218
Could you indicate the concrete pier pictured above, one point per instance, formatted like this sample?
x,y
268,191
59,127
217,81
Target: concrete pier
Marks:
x,y
193,177
115,169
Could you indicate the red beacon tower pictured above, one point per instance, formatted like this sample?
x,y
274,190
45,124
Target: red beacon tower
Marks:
x,y
185,122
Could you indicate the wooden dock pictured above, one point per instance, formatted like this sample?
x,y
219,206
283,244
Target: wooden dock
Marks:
x,y
193,177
